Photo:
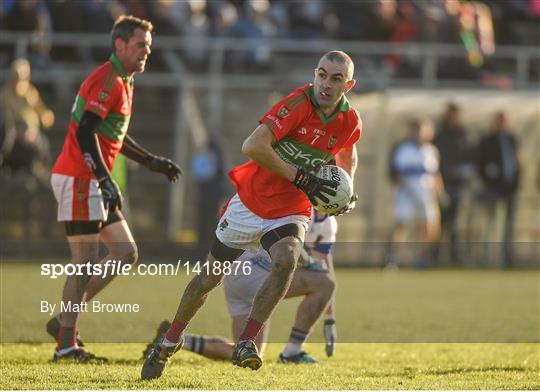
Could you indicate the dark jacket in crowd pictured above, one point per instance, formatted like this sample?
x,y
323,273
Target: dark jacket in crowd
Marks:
x,y
455,154
497,163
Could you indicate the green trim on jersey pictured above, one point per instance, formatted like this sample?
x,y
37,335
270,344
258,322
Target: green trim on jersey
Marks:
x,y
114,126
300,155
118,65
342,107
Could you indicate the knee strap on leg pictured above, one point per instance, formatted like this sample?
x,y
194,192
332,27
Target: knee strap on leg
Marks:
x,y
222,252
288,230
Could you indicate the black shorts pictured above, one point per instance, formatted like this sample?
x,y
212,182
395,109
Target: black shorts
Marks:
x,y
92,227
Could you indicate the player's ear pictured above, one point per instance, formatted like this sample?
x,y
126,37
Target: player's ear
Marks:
x,y
350,85
119,44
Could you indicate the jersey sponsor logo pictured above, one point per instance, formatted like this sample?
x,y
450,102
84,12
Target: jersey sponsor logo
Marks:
x,y
319,132
332,142
98,106
294,154
283,112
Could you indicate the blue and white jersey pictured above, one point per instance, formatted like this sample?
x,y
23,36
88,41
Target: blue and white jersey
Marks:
x,y
418,164
321,234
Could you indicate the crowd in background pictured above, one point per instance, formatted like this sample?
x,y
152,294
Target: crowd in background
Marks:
x,y
476,25
431,169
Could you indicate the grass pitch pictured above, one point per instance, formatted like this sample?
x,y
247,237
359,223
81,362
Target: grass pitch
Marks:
x,y
355,366
401,330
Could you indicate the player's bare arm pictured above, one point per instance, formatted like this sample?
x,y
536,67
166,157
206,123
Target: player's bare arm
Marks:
x,y
348,160
258,146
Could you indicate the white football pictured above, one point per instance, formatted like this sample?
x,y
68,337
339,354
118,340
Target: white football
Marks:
x,y
344,190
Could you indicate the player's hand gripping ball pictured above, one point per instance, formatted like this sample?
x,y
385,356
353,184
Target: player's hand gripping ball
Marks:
x,y
344,199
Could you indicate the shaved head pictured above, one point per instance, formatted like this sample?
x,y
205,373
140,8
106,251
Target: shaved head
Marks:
x,y
337,56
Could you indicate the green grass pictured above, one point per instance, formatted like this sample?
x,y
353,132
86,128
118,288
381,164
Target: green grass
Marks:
x,y
401,330
356,366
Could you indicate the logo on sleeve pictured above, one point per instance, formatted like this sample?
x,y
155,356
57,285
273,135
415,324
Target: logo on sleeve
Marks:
x,y
283,112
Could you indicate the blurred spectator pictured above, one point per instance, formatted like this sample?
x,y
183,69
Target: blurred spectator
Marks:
x,y
386,18
456,170
67,17
307,19
415,162
499,169
405,28
160,12
208,168
25,166
32,16
25,116
190,19
355,19
222,16
254,25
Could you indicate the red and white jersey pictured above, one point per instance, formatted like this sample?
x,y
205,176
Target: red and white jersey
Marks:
x,y
107,92
306,139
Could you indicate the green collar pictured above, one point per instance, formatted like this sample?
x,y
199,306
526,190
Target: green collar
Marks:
x,y
342,107
116,62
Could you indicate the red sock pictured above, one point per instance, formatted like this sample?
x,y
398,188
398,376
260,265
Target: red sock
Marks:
x,y
252,329
176,329
67,337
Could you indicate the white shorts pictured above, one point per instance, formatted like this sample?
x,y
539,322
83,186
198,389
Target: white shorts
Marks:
x,y
239,228
420,207
79,199
241,289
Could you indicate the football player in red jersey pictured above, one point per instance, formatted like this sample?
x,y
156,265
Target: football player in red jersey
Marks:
x,y
89,201
275,192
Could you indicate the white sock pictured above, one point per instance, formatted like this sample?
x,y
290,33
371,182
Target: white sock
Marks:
x,y
66,350
167,343
292,349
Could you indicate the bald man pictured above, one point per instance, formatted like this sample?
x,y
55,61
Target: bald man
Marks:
x,y
276,189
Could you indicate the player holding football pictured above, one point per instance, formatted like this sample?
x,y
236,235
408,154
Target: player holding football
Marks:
x,y
315,281
89,201
307,129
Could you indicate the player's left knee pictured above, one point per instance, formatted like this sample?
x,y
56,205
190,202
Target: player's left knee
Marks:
x,y
328,284
285,254
130,253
